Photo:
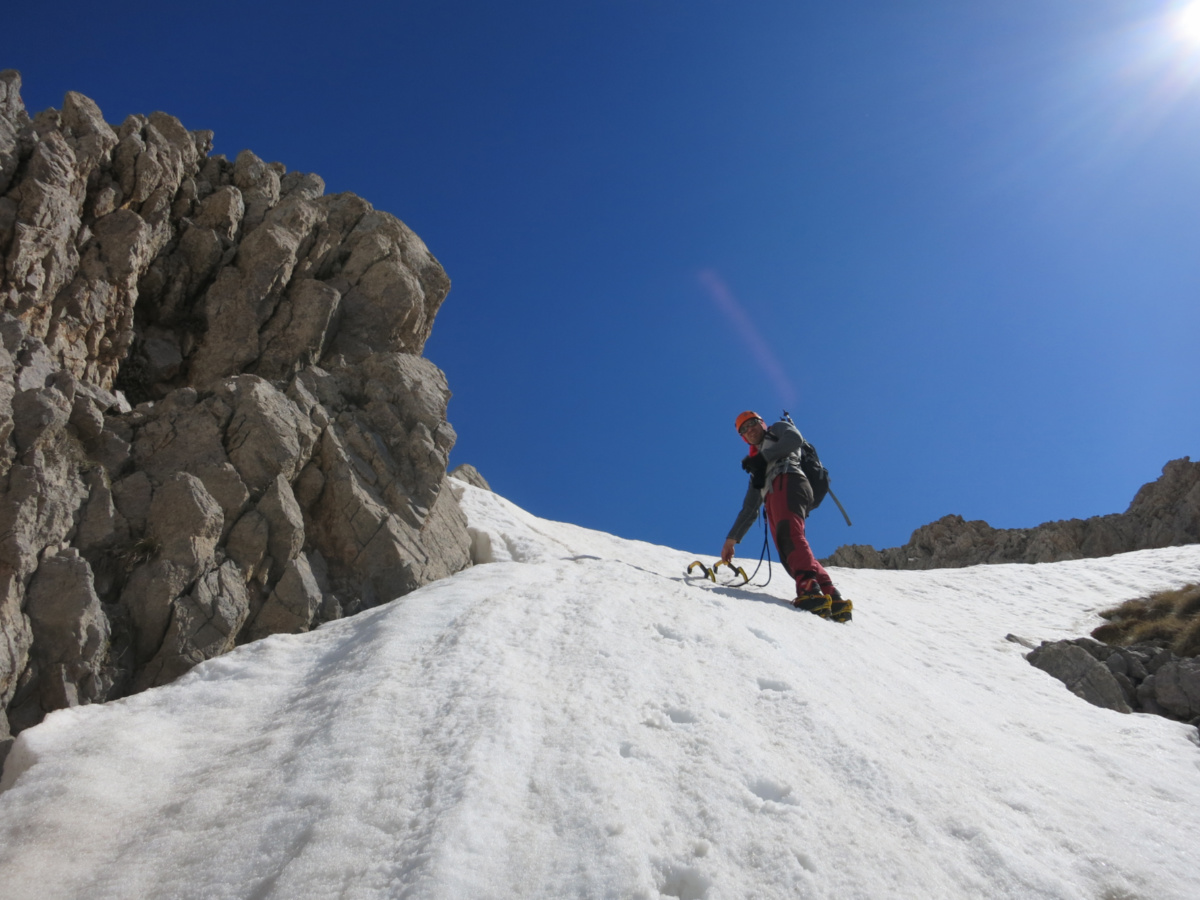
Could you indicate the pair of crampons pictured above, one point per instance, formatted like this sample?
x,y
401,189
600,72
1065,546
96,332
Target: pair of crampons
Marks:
x,y
711,574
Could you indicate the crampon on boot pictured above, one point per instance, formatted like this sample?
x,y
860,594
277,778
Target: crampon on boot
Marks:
x,y
840,609
811,600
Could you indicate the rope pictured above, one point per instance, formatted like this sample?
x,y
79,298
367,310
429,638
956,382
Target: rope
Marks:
x,y
766,552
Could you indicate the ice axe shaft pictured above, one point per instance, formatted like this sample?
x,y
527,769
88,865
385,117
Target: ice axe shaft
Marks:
x,y
840,507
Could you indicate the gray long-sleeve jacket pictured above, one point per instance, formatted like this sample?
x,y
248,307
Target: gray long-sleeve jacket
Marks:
x,y
781,448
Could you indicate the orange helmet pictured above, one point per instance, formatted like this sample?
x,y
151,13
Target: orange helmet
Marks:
x,y
745,417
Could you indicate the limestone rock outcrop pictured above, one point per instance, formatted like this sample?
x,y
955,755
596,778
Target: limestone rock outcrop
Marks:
x,y
1144,677
215,420
1164,513
468,473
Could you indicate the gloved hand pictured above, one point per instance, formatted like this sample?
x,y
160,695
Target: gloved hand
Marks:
x,y
756,465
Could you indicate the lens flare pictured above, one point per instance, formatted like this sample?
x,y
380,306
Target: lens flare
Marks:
x,y
759,350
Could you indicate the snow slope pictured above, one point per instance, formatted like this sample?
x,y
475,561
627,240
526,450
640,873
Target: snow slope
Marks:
x,y
577,719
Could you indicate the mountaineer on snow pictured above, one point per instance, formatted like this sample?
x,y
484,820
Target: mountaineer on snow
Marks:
x,y
777,480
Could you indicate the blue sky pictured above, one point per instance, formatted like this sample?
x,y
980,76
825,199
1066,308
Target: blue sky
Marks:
x,y
957,240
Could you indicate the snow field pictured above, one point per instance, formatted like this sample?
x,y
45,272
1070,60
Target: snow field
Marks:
x,y
576,718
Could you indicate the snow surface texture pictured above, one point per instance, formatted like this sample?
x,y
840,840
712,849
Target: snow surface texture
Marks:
x,y
577,719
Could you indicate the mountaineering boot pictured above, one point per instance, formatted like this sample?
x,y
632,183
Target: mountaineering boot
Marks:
x,y
812,600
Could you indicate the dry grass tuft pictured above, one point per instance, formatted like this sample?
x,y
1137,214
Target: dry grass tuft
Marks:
x,y
1171,616
1139,610
1188,603
1152,630
1188,641
1109,633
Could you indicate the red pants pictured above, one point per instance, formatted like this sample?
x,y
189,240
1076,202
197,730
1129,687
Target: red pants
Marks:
x,y
787,504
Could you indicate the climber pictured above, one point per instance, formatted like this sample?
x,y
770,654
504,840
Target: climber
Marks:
x,y
777,479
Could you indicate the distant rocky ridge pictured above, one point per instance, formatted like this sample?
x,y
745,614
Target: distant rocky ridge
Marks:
x,y
215,420
1164,513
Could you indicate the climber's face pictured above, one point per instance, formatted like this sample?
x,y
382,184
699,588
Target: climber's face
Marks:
x,y
752,432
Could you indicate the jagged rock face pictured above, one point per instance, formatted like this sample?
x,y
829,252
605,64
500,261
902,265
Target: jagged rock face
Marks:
x,y
215,421
1164,513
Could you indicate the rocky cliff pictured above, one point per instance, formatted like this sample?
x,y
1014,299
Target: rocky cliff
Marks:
x,y
215,420
1164,513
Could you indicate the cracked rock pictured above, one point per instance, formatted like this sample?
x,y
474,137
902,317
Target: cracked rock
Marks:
x,y
215,420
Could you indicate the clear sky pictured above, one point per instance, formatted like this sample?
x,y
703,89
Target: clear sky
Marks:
x,y
957,240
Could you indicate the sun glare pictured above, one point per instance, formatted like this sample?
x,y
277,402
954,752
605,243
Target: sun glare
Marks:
x,y
1187,23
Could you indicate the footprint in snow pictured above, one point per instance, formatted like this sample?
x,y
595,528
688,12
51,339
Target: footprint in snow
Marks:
x,y
766,684
682,881
774,794
664,718
669,633
763,636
